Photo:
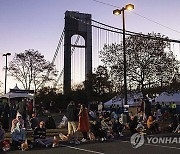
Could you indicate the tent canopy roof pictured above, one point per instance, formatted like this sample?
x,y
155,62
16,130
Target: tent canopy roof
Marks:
x,y
168,97
118,100
16,92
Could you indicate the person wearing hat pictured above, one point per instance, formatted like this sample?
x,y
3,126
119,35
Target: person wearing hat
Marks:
x,y
22,108
17,131
16,120
40,136
18,135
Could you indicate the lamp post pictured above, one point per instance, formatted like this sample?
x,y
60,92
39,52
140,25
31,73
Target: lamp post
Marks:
x,y
117,12
6,55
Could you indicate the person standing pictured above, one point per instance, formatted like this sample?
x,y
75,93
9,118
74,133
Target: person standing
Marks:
x,y
100,107
83,125
173,108
2,133
72,115
22,109
6,116
147,107
30,108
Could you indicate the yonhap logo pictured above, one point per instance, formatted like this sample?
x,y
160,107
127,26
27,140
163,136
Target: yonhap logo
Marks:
x,y
137,140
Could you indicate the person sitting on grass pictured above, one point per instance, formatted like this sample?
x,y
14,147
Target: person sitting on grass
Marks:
x,y
174,124
96,129
133,124
106,127
152,125
117,128
18,119
40,136
18,136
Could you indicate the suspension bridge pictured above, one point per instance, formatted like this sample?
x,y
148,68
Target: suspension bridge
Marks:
x,y
77,52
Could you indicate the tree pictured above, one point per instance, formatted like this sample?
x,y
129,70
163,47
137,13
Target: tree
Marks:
x,y
112,57
30,68
79,86
149,60
100,81
46,95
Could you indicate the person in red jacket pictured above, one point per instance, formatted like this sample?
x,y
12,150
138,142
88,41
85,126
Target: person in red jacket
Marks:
x,y
83,124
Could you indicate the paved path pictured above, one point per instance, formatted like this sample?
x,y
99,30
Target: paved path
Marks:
x,y
121,146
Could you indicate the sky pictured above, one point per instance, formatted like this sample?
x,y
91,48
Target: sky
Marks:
x,y
38,24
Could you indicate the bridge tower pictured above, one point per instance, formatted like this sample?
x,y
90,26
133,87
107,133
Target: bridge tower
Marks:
x,y
77,24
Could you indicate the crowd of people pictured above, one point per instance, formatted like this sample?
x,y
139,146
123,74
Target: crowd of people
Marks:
x,y
110,124
93,125
18,134
17,119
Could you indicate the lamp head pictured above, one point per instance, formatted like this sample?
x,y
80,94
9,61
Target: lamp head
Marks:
x,y
129,7
7,54
117,12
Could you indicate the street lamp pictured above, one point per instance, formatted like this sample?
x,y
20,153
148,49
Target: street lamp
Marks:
x,y
6,55
117,12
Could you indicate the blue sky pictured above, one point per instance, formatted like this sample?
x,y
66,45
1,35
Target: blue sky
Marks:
x,y
38,24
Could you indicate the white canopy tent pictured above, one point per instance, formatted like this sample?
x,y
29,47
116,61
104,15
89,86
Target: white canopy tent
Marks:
x,y
118,100
166,98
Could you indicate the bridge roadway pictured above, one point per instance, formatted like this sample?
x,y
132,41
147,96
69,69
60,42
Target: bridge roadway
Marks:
x,y
113,146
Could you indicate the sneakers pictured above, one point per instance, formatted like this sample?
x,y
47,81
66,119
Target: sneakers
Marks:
x,y
103,139
71,142
46,145
77,142
121,134
83,140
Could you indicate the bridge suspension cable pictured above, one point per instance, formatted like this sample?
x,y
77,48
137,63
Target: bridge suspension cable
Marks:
x,y
55,55
62,71
107,28
118,30
58,47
